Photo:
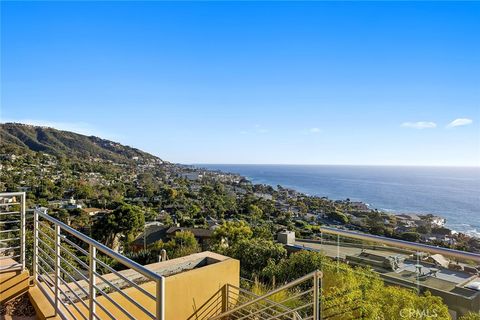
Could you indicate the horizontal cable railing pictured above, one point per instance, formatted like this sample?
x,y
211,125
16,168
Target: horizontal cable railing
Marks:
x,y
298,300
83,278
12,230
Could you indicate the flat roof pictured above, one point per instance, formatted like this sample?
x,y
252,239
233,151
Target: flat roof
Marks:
x,y
331,250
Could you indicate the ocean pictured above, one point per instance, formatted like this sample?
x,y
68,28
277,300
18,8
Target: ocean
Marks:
x,y
449,192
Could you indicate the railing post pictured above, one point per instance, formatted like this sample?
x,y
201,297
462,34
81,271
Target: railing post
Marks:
x,y
320,293
338,252
57,268
22,229
316,300
35,246
92,280
160,295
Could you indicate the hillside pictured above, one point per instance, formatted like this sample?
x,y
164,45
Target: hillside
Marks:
x,y
21,137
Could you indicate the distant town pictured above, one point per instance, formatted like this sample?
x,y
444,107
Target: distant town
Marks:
x,y
84,187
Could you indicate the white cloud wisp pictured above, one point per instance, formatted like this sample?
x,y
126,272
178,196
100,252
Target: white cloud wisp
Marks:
x,y
420,125
460,122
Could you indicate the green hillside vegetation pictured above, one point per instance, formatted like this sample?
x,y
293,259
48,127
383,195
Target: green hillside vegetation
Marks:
x,y
15,136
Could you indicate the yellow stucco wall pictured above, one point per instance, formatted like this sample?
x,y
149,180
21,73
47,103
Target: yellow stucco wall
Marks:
x,y
187,292
191,294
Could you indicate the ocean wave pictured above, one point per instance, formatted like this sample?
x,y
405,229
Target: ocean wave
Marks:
x,y
465,229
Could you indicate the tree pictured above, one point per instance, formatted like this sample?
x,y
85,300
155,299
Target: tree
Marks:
x,y
296,266
168,195
394,302
410,236
185,244
79,219
338,215
125,219
84,190
150,214
352,293
231,232
255,254
255,212
442,231
147,184
375,223
192,209
263,231
61,215
182,244
471,316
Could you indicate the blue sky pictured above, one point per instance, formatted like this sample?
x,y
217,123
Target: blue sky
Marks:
x,y
223,82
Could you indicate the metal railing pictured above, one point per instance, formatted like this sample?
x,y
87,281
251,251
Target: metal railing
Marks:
x,y
81,279
12,230
402,244
297,300
444,272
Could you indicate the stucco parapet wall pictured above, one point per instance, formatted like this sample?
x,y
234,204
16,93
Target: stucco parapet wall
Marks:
x,y
195,293
165,268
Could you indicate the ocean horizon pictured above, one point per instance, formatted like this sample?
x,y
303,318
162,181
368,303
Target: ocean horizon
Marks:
x,y
450,192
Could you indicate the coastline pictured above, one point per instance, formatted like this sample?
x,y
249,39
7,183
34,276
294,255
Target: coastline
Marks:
x,y
262,178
